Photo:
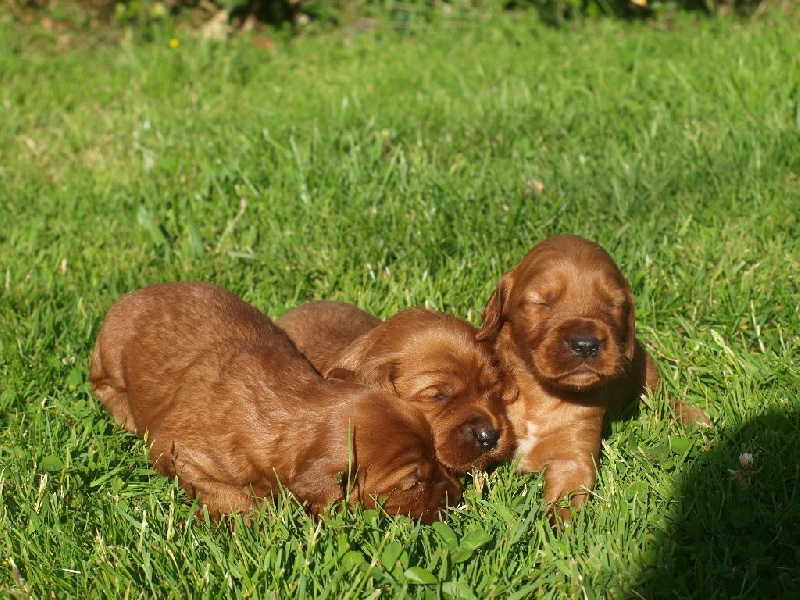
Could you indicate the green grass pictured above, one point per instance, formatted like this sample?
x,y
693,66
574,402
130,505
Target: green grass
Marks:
x,y
394,171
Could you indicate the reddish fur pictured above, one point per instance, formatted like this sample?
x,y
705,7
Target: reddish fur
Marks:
x,y
231,408
566,287
430,359
320,330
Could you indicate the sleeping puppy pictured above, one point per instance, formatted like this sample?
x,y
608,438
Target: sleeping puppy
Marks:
x,y
429,359
562,322
322,329
232,409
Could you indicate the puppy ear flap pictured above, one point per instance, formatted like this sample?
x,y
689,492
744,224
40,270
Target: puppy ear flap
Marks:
x,y
378,372
630,329
510,390
494,311
365,364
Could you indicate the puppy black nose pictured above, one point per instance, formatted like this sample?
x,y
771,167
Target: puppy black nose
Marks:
x,y
585,347
487,437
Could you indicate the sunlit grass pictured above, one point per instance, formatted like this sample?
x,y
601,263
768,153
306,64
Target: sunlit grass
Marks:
x,y
394,171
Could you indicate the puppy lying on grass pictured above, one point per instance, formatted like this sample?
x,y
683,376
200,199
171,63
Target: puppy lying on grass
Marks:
x,y
429,359
233,410
563,324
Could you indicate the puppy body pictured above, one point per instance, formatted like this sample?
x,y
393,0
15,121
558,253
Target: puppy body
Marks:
x,y
559,431
322,329
562,322
429,359
233,410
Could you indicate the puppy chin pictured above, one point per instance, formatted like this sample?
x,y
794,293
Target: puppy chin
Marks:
x,y
582,379
565,372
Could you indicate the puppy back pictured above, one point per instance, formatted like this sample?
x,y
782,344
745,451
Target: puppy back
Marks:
x,y
159,338
323,329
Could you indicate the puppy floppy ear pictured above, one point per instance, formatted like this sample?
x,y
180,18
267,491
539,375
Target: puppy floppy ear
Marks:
x,y
510,390
630,326
366,363
378,372
494,312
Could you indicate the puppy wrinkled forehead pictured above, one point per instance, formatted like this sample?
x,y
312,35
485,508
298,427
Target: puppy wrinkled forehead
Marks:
x,y
585,284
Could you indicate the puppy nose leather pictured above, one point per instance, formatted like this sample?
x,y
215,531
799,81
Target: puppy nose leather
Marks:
x,y
585,347
487,438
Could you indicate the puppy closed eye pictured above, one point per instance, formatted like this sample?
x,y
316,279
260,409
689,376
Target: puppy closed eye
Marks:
x,y
412,475
537,300
438,394
615,298
409,483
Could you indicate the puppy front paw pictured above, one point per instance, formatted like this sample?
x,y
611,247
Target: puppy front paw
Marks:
x,y
567,486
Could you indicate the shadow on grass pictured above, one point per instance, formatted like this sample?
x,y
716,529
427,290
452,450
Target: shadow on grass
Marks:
x,y
736,530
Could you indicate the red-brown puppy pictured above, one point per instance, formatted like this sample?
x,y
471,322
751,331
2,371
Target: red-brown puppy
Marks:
x,y
231,408
322,329
430,359
563,324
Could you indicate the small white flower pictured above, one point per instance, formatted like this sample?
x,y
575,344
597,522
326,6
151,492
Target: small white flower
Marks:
x,y
747,470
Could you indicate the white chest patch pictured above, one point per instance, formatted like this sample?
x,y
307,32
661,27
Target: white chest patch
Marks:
x,y
527,443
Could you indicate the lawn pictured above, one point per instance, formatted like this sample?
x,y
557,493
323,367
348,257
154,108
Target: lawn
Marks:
x,y
391,169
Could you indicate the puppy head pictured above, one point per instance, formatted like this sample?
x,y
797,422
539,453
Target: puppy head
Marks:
x,y
568,312
433,362
395,463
